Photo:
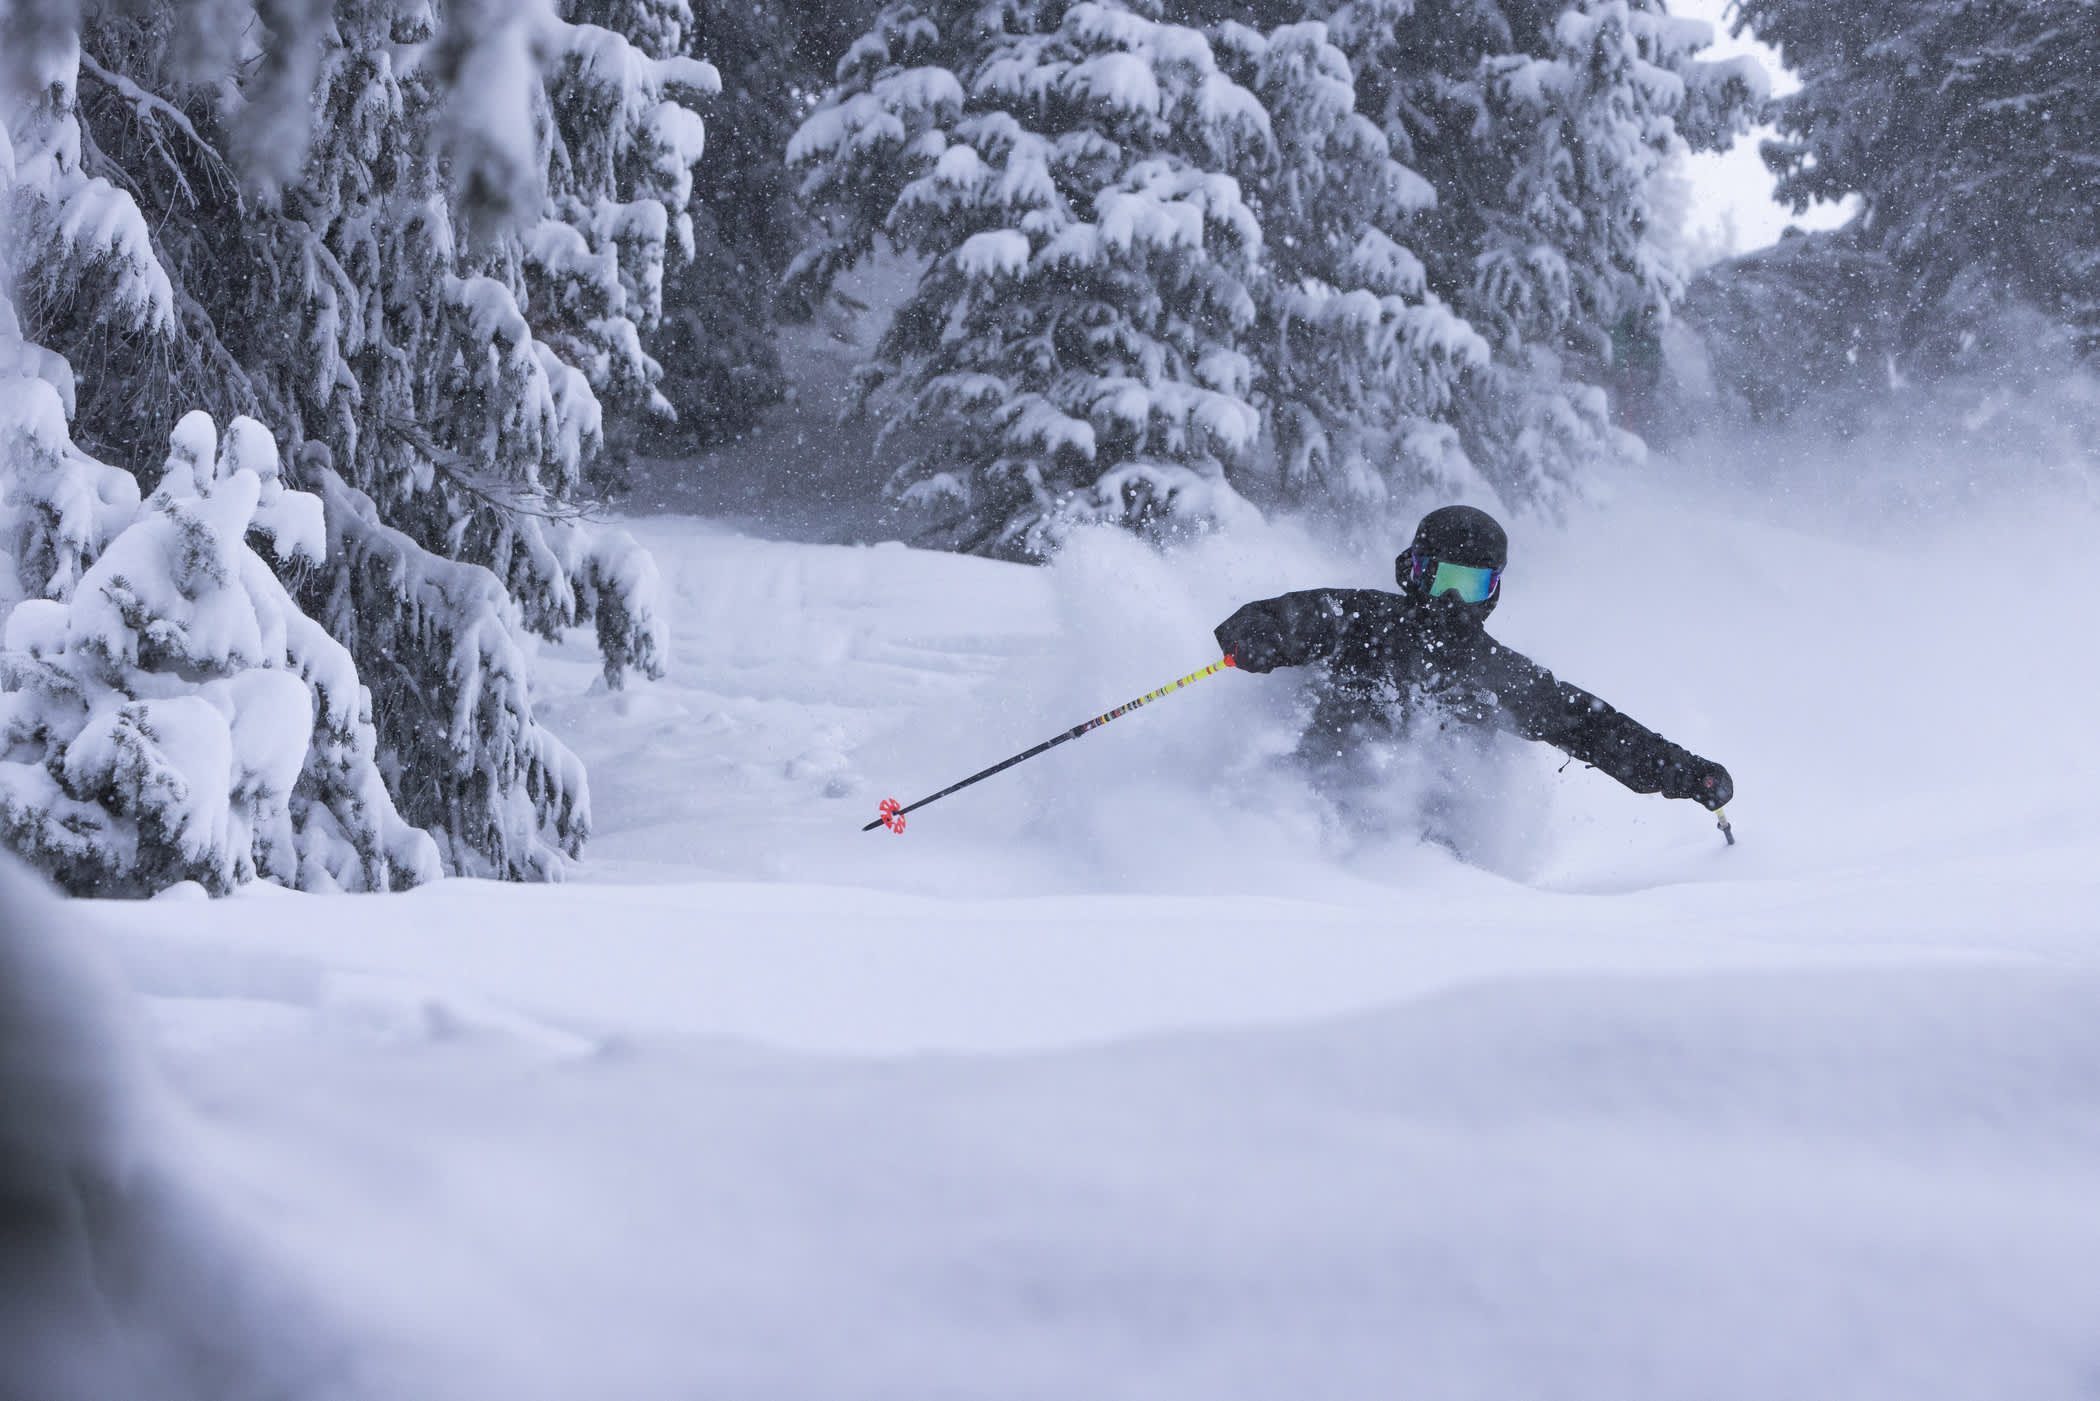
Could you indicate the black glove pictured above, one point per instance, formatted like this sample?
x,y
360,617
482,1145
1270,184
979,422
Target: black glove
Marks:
x,y
1704,782
1252,638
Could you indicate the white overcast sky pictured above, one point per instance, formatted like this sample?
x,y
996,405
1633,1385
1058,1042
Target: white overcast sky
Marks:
x,y
1734,189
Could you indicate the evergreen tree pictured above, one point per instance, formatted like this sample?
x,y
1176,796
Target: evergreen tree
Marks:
x,y
166,711
1104,332
173,715
625,136
1810,327
1542,126
1944,117
716,341
1448,244
1359,360
1064,367
440,309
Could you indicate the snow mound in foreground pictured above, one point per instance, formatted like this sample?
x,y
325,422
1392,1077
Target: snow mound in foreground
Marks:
x,y
1136,1072
117,1275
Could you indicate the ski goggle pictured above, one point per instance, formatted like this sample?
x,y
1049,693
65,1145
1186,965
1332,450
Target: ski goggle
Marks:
x,y
1470,583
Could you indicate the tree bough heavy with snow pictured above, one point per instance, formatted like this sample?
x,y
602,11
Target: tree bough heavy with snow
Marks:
x,y
1359,360
1953,320
172,715
1968,132
1105,331
1382,249
437,308
1542,126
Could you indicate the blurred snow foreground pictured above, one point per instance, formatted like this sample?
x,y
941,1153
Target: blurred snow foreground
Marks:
x,y
118,1274
1134,1072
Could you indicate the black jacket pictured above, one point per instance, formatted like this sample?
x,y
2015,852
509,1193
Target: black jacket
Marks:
x,y
1384,654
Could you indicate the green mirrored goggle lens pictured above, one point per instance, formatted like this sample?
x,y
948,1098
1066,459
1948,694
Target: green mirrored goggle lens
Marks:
x,y
1470,584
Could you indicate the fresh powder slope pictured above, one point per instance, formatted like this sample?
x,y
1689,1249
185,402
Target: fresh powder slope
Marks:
x,y
1142,1071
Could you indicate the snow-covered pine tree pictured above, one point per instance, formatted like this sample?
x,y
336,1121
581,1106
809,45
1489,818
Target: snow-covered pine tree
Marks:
x,y
1941,117
369,300
1541,127
1075,349
173,715
1358,360
166,712
881,125
625,139
717,341
1808,330
1104,332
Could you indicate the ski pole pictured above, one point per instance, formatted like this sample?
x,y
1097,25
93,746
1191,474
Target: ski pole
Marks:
x,y
893,815
1721,821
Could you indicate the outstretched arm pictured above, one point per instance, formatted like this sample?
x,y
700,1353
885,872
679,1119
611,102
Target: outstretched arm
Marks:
x,y
1580,725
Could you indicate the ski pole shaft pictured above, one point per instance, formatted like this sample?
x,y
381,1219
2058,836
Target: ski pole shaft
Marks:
x,y
1721,821
893,815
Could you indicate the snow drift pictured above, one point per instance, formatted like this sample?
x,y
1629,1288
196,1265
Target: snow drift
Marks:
x,y
1136,1071
120,1274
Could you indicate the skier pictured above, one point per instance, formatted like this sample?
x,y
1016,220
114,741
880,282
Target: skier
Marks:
x,y
1395,661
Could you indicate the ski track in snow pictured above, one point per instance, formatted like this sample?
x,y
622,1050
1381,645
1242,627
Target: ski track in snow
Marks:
x,y
1133,1072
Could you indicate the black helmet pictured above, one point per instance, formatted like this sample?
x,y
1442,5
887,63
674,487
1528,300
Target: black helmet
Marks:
x,y
1461,535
